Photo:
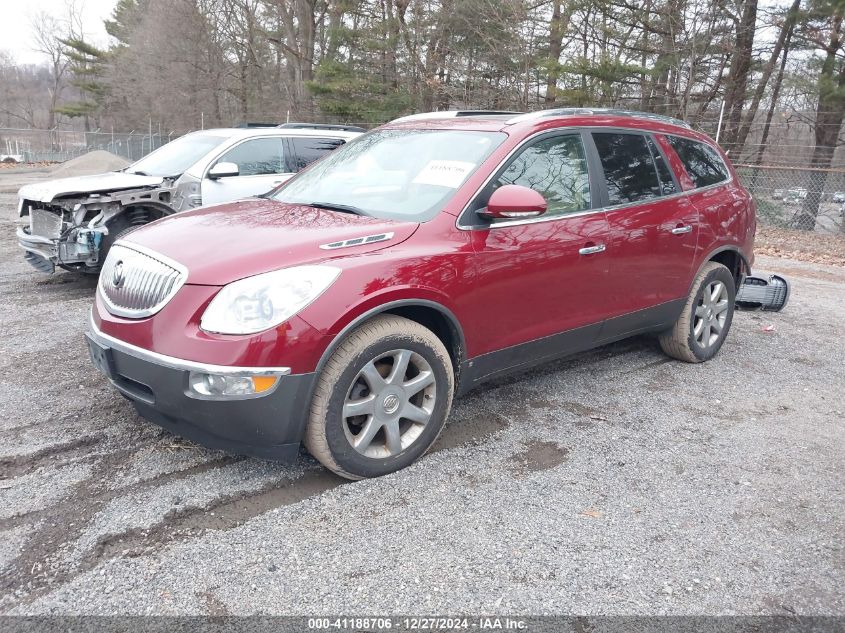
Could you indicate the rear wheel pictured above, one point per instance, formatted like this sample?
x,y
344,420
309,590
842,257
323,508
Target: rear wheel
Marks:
x,y
381,400
700,331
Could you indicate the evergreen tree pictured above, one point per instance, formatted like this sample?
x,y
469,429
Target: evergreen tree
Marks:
x,y
87,67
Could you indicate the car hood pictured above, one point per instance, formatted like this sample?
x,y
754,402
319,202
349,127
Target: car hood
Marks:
x,y
222,243
111,181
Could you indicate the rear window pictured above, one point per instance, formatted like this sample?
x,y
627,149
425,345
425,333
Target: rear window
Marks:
x,y
308,149
702,162
629,169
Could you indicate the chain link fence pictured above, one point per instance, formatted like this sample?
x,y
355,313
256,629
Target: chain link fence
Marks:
x,y
787,197
793,197
33,146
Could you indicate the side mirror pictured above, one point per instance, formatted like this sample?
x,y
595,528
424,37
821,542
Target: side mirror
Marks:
x,y
223,170
513,202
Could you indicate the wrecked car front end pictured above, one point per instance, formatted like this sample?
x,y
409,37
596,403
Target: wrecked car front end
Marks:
x,y
68,228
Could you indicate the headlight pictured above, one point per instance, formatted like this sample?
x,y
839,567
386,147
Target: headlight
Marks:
x,y
264,301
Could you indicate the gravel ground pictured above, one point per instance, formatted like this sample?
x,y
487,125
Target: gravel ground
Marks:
x,y
615,482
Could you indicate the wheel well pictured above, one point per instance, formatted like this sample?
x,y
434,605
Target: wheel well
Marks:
x,y
141,214
734,262
438,323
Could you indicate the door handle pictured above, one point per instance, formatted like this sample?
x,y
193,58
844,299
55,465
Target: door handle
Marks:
x,y
680,230
589,250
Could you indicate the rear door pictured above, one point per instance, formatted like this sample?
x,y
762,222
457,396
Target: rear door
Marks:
x,y
263,163
722,205
539,277
654,228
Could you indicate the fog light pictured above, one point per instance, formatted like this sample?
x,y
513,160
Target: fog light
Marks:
x,y
221,386
263,383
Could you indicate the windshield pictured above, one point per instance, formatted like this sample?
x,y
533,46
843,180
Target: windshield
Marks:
x,y
177,156
393,174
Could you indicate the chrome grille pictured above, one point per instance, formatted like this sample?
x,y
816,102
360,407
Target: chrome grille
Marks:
x,y
136,283
45,223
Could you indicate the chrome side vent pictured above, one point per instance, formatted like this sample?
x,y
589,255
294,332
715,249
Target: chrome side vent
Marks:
x,y
357,241
136,282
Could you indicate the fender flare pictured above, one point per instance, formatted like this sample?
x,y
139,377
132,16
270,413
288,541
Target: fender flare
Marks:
x,y
390,305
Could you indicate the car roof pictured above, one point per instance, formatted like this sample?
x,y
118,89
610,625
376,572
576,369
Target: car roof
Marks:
x,y
524,123
240,132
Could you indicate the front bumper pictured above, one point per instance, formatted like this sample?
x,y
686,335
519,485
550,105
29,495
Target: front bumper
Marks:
x,y
267,426
42,247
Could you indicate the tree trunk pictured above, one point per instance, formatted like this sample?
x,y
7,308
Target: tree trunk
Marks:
x,y
737,84
558,26
830,109
770,113
785,34
666,58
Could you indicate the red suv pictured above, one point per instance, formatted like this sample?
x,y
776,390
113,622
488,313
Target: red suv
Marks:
x,y
347,307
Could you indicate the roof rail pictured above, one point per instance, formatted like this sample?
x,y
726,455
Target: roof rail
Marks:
x,y
321,126
251,124
449,114
588,111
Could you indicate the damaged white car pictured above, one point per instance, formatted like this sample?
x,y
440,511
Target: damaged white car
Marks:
x,y
74,221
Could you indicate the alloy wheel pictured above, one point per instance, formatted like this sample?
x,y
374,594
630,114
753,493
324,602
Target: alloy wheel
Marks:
x,y
711,314
389,403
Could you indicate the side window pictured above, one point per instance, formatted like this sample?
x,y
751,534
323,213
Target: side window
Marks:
x,y
629,169
308,150
556,168
257,157
667,183
701,161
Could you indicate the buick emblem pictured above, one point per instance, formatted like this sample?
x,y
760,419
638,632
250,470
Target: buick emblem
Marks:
x,y
390,403
117,277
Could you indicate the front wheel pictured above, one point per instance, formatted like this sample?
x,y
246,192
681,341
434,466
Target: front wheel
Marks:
x,y
704,324
381,400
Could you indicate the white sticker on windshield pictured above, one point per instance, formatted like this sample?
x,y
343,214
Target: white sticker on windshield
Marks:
x,y
444,173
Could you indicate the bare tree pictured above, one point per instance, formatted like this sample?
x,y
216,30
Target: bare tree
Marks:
x,y
48,33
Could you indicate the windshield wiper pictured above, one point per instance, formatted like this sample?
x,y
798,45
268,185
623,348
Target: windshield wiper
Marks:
x,y
343,208
139,173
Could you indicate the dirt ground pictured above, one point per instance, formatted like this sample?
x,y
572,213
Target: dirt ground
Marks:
x,y
615,482
817,248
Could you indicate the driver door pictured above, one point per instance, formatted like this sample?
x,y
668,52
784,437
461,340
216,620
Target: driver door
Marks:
x,y
262,165
540,283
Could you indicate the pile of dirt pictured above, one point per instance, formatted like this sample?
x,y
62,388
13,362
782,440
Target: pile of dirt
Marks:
x,y
96,162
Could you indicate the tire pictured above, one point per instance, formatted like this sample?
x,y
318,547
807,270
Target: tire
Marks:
x,y
356,425
687,340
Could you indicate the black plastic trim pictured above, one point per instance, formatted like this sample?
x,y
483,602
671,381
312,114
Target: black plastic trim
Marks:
x,y
654,319
526,355
269,427
539,351
385,307
722,249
